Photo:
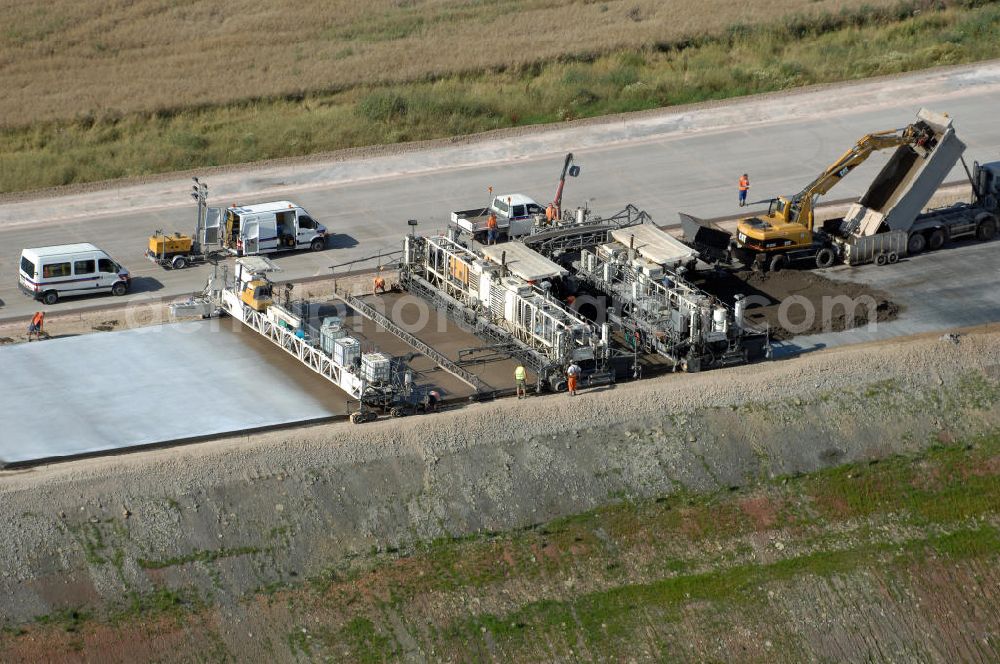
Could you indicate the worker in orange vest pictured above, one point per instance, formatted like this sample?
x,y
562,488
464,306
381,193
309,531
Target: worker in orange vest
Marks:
x,y
491,229
379,283
744,188
550,213
572,376
35,326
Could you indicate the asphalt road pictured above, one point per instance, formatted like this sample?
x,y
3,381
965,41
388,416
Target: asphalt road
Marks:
x,y
683,159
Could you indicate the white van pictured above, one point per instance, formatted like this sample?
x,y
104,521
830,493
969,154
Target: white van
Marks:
x,y
48,273
267,228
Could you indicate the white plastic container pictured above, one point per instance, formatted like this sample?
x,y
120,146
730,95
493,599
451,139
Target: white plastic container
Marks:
x,y
332,330
346,351
376,367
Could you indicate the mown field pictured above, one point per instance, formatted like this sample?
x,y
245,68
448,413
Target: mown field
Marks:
x,y
884,561
96,91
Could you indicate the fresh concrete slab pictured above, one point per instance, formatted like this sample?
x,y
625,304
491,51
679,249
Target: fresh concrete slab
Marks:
x,y
108,391
958,286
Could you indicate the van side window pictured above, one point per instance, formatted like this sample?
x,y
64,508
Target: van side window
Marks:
x,y
84,267
56,270
106,265
518,211
27,267
306,222
535,208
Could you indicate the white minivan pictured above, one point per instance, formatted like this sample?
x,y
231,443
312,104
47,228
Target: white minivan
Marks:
x,y
49,273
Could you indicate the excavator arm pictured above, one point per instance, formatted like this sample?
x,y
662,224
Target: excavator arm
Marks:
x,y
916,134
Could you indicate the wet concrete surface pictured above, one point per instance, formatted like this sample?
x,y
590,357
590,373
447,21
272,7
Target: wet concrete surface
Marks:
x,y
115,390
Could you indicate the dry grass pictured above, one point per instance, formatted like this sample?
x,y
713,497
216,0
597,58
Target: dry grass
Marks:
x,y
81,108
70,59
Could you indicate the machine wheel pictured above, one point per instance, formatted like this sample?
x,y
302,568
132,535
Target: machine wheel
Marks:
x,y
50,297
318,244
397,412
825,257
916,244
986,230
179,262
559,386
119,288
778,263
936,240
892,258
881,259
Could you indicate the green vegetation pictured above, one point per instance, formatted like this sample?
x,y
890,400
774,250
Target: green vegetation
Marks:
x,y
201,555
637,576
68,619
749,58
161,602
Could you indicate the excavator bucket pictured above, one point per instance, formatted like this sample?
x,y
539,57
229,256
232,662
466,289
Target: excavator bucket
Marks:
x,y
712,243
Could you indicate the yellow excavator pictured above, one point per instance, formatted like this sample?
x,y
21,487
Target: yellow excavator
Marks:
x,y
786,234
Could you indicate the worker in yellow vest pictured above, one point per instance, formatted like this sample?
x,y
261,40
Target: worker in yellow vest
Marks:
x,y
521,378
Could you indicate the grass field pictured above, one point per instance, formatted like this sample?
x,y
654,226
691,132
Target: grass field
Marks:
x,y
895,557
95,92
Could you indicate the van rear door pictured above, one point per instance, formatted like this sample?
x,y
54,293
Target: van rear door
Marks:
x,y
213,224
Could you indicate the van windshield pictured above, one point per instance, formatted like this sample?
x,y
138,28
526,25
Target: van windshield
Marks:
x,y
27,267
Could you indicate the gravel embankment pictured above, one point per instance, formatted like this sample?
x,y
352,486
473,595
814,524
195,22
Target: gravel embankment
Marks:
x,y
230,516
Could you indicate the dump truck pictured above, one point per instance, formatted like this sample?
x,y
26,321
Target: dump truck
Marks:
x,y
888,221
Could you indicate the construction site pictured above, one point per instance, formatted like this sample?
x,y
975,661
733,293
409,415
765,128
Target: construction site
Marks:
x,y
374,406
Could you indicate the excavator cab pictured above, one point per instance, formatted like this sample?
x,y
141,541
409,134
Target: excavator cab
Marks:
x,y
780,229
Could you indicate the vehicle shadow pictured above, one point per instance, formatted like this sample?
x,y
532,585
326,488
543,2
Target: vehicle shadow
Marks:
x,y
145,285
341,241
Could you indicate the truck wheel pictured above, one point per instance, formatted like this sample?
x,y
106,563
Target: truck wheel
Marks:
x,y
986,230
119,288
881,259
179,263
916,244
318,244
936,240
892,258
50,297
825,257
778,263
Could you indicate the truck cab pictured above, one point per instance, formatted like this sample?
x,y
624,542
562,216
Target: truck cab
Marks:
x,y
515,217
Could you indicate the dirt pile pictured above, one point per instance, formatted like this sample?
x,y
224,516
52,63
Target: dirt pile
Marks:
x,y
801,302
